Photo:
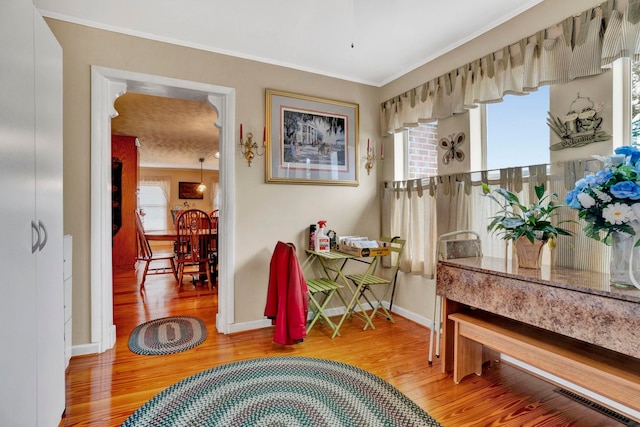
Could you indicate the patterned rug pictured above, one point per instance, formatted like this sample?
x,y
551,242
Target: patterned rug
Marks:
x,y
281,391
167,335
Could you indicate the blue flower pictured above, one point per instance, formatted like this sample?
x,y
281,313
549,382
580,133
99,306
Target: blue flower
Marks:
x,y
602,176
626,190
581,184
629,150
572,199
609,200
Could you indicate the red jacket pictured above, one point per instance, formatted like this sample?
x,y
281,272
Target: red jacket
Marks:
x,y
287,296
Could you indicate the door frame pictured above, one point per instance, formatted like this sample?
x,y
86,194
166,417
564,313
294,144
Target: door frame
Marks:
x,y
107,84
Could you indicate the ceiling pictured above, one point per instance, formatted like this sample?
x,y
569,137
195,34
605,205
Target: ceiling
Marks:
x,y
365,41
173,133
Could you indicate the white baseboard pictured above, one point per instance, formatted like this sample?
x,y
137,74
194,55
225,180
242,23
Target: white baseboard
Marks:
x,y
84,349
336,311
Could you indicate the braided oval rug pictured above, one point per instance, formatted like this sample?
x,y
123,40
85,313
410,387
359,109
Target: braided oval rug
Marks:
x,y
281,391
167,335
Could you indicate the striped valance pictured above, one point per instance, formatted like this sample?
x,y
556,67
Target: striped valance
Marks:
x,y
579,46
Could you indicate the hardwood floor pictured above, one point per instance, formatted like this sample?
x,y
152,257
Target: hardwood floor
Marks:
x,y
104,389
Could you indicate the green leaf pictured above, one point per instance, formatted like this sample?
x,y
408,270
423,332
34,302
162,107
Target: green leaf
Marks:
x,y
539,191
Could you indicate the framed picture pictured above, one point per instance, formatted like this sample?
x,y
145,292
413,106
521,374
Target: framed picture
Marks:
x,y
189,190
310,140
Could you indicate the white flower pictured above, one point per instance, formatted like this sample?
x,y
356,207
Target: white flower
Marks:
x,y
602,195
617,159
586,200
617,213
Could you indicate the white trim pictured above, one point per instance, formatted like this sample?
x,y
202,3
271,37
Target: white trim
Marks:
x,y
337,311
103,93
84,349
106,85
478,138
621,103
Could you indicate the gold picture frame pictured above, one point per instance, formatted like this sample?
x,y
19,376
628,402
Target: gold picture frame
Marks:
x,y
310,140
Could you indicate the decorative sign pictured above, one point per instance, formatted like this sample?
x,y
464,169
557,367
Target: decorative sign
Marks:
x,y
580,126
452,145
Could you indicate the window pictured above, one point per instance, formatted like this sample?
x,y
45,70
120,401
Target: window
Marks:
x,y
517,131
152,203
421,147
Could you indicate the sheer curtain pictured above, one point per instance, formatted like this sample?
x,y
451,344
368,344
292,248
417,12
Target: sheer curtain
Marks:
x,y
164,182
576,47
409,211
419,210
215,194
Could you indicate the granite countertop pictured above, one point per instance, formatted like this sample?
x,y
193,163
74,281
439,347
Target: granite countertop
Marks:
x,y
590,282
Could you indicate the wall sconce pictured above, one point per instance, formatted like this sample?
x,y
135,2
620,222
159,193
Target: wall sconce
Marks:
x,y
249,148
201,187
371,156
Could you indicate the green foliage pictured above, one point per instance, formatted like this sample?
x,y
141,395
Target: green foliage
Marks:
x,y
515,219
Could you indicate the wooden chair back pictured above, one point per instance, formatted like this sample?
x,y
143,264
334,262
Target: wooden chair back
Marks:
x,y
194,242
144,248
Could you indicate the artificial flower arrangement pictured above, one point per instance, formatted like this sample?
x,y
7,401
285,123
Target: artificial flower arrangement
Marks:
x,y
609,200
533,221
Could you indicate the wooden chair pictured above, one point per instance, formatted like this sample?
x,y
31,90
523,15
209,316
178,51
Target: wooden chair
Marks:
x,y
396,246
193,244
146,255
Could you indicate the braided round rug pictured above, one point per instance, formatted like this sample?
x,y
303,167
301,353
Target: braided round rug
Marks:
x,y
281,391
167,335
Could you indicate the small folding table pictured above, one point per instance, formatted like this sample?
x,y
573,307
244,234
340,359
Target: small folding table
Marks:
x,y
332,264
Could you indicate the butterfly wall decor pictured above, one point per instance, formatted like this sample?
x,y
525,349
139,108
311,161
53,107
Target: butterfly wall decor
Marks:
x,y
452,145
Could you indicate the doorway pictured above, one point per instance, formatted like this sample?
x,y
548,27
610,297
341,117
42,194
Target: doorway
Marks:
x,y
106,86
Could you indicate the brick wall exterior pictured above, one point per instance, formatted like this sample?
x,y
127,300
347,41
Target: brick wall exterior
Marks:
x,y
423,151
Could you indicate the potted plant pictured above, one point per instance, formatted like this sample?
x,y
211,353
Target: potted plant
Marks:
x,y
528,226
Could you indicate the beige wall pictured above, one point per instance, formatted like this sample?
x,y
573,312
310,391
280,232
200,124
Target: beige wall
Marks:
x,y
265,213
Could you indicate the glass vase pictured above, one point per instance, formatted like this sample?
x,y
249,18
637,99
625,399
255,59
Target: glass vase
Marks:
x,y
623,252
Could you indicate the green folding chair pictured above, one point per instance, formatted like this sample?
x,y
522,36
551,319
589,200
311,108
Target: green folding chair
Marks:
x,y
383,285
321,291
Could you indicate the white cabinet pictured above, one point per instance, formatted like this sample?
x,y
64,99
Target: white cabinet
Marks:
x,y
32,391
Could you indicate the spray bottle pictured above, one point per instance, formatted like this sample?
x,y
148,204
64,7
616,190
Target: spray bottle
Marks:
x,y
322,240
312,237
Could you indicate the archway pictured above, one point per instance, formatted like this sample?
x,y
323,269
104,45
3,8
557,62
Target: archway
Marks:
x,y
106,86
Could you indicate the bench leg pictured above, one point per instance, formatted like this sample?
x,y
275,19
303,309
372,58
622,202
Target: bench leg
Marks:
x,y
467,356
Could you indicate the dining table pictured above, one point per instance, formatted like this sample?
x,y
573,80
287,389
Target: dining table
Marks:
x,y
169,234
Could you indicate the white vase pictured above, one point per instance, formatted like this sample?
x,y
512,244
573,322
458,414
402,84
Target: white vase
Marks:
x,y
624,267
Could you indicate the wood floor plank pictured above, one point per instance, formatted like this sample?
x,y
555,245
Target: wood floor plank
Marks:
x,y
104,389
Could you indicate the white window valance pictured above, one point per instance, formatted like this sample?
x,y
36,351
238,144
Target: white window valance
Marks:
x,y
164,182
579,46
